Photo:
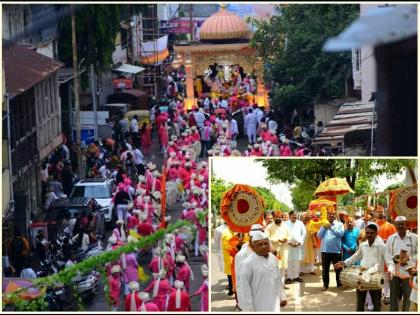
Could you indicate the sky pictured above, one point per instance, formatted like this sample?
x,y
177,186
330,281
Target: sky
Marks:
x,y
246,171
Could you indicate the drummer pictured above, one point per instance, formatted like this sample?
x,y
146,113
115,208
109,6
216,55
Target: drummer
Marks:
x,y
371,254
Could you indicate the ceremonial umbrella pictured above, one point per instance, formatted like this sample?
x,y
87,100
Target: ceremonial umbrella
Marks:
x,y
241,207
333,187
322,201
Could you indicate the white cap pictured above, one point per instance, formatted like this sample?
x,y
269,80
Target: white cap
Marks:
x,y
400,218
204,267
116,269
178,284
134,286
203,248
144,296
131,238
258,236
256,227
157,194
359,214
143,216
180,258
112,239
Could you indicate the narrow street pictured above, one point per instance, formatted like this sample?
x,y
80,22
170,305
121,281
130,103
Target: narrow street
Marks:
x,y
100,304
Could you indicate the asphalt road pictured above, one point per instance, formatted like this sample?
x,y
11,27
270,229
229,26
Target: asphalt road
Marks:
x,y
99,302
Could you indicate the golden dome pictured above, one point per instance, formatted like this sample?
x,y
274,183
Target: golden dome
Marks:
x,y
224,25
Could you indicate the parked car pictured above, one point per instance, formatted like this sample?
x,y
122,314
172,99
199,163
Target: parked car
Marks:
x,y
71,206
99,188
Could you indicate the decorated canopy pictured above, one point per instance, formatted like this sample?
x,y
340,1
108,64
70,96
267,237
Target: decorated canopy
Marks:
x,y
323,201
241,207
333,187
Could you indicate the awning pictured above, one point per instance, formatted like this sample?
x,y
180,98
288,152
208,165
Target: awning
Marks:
x,y
381,25
350,117
126,68
154,52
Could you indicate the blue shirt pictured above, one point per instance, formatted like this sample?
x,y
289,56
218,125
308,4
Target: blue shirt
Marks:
x,y
350,242
331,238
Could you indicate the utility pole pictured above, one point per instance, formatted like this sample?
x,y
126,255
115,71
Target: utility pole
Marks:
x,y
94,98
76,92
191,23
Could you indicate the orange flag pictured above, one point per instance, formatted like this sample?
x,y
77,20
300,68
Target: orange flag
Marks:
x,y
163,194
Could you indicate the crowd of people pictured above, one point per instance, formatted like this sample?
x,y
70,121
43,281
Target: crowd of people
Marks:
x,y
259,265
224,95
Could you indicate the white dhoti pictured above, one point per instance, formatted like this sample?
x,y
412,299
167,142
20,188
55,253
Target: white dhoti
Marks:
x,y
293,263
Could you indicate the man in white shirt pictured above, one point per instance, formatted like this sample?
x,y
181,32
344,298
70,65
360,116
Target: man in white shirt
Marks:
x,y
296,233
251,126
218,244
199,118
134,129
371,254
259,278
277,233
399,282
240,257
224,104
138,160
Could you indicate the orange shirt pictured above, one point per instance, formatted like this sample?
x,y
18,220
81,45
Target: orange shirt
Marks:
x,y
386,229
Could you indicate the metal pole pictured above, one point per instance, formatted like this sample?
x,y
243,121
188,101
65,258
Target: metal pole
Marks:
x,y
94,100
76,92
9,145
191,23
371,132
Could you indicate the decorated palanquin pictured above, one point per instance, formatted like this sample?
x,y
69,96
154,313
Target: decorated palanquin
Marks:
x,y
224,39
403,202
241,207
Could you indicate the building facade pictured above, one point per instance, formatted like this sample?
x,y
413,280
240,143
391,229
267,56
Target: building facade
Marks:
x,y
35,123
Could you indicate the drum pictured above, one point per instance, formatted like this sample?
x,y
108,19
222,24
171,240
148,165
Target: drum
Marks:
x,y
356,278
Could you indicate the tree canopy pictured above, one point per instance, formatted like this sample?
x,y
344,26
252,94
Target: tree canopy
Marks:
x,y
306,175
291,46
96,28
219,186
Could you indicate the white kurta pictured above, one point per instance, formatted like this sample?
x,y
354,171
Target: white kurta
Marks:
x,y
260,283
239,258
296,234
218,245
275,234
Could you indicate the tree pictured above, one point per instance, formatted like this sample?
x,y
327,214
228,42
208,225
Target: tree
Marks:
x,y
302,194
291,46
96,28
316,171
219,186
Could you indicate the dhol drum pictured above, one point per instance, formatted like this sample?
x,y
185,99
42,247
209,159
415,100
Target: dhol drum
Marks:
x,y
356,278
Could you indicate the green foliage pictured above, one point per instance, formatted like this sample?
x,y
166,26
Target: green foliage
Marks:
x,y
317,171
271,203
219,186
65,276
291,46
363,186
302,194
96,28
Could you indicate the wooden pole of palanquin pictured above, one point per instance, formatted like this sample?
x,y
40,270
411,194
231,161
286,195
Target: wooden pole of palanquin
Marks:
x,y
163,196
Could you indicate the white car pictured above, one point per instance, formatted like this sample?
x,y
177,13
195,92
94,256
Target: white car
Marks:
x,y
99,188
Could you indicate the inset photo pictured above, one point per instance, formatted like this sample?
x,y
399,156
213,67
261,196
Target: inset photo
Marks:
x,y
313,235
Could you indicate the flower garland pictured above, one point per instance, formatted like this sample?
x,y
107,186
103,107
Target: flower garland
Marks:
x,y
64,277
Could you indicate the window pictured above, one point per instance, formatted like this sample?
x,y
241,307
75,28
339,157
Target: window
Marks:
x,y
100,192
